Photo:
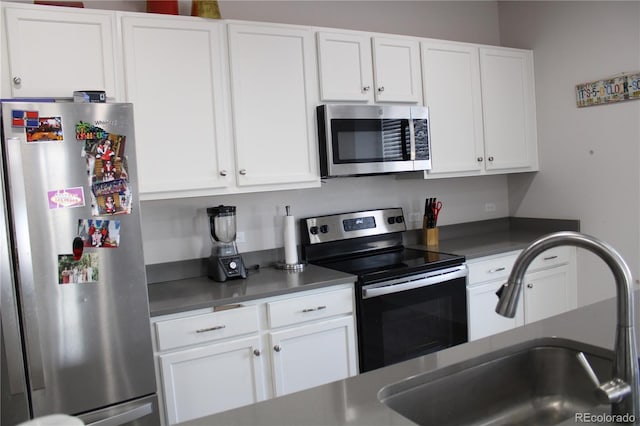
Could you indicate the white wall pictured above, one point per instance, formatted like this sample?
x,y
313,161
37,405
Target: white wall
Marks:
x,y
590,157
179,229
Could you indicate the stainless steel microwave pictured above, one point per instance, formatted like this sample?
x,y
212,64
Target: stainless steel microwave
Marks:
x,y
371,139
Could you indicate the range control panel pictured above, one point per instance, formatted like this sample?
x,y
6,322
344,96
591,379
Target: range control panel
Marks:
x,y
344,226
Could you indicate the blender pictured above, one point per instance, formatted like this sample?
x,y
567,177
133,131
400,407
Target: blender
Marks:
x,y
225,262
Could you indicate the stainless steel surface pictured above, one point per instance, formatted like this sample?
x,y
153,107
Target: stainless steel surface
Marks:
x,y
14,403
87,345
625,366
536,383
343,111
140,412
414,281
323,229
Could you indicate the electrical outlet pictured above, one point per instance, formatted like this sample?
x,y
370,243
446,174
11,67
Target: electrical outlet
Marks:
x,y
240,237
489,207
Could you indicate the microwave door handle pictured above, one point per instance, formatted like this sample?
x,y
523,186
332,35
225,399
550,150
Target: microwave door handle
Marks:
x,y
412,140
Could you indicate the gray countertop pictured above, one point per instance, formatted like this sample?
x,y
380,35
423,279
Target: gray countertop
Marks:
x,y
194,293
475,239
354,401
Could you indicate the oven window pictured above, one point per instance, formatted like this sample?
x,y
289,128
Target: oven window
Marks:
x,y
405,325
369,140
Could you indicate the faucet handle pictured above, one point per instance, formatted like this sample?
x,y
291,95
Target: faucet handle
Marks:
x,y
613,391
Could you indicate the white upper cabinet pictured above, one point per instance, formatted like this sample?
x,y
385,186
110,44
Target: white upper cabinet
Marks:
x,y
509,109
451,76
359,68
396,70
274,95
482,107
176,78
53,51
345,67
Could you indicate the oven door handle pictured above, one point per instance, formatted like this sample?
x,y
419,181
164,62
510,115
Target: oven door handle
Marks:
x,y
404,284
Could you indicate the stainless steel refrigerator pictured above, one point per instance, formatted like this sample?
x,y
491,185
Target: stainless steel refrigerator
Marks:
x,y
75,313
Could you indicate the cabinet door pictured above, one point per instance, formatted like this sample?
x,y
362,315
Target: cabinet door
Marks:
x,y
396,70
54,51
174,72
344,63
208,379
451,79
312,355
546,293
483,319
508,98
274,95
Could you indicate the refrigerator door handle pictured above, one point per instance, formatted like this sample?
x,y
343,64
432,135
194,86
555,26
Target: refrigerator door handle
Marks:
x,y
126,417
26,276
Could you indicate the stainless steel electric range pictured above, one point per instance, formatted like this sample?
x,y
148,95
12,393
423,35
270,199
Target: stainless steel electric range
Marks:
x,y
408,302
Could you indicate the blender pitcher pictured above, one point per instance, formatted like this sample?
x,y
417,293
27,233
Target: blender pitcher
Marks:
x,y
225,262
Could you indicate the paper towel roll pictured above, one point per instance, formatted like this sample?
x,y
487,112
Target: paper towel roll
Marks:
x,y
290,247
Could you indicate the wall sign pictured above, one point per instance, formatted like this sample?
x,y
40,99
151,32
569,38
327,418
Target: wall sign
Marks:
x,y
623,87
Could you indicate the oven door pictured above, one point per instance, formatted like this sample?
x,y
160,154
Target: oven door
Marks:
x,y
412,316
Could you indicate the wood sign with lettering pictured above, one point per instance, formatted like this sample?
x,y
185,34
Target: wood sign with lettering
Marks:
x,y
623,87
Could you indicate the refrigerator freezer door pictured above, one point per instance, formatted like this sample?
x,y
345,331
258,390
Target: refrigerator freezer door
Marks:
x,y
88,342
14,403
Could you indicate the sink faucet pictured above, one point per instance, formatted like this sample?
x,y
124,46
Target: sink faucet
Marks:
x,y
625,365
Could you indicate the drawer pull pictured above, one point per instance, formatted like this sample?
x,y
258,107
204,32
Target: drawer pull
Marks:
x,y
550,257
217,327
500,269
319,308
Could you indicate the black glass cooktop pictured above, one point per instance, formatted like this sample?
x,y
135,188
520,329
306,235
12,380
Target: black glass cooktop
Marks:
x,y
395,263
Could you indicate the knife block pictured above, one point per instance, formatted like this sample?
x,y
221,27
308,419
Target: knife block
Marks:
x,y
430,236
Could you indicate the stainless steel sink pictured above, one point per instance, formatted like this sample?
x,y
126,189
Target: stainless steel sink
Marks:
x,y
539,382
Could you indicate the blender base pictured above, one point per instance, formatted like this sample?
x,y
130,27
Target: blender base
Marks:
x,y
223,268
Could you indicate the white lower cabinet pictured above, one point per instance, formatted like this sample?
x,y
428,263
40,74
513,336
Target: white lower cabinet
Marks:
x,y
208,361
211,378
313,355
550,288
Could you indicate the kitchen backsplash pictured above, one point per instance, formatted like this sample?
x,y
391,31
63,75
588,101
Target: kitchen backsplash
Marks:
x,y
175,230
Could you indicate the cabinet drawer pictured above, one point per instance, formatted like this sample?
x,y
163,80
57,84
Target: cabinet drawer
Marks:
x,y
491,269
206,327
312,307
552,257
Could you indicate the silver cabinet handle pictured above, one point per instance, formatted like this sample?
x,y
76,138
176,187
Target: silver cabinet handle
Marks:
x,y
366,88
243,172
381,89
256,352
277,348
319,308
223,172
550,258
217,327
490,158
500,269
17,80
529,285
480,159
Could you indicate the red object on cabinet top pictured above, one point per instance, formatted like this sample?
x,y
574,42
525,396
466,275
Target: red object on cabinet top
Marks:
x,y
168,7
